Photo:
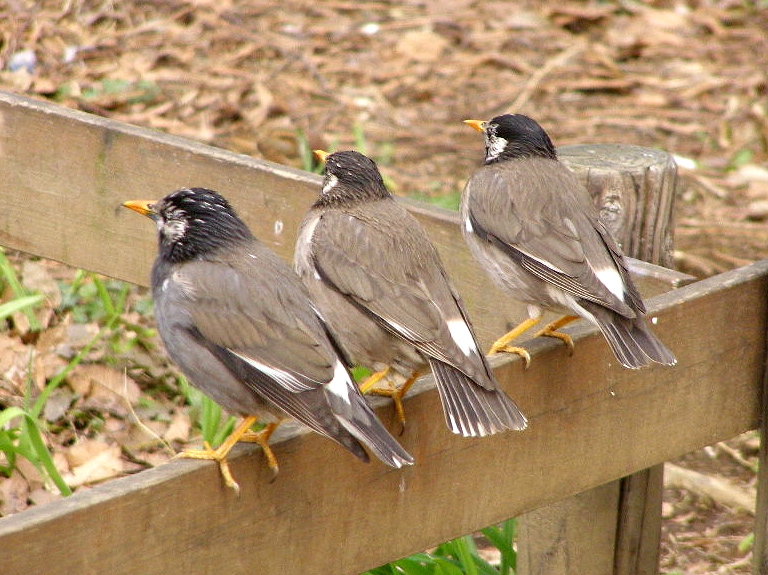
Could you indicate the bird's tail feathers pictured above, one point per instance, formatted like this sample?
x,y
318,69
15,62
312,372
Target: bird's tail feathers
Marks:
x,y
632,341
470,409
361,422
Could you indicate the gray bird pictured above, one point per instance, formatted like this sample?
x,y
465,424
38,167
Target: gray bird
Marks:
x,y
238,322
533,227
381,288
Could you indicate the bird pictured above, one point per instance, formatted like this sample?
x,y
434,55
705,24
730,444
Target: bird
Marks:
x,y
239,324
533,227
380,285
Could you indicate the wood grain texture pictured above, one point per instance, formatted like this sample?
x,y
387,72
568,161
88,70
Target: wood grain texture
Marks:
x,y
760,550
638,532
576,531
591,422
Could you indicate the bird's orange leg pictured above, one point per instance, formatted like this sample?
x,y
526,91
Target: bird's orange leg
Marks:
x,y
502,344
372,380
241,433
262,438
550,330
397,394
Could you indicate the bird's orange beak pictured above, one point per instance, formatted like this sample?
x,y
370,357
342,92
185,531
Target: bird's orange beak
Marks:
x,y
143,207
320,155
478,125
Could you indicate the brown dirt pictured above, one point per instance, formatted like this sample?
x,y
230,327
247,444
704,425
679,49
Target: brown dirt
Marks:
x,y
687,77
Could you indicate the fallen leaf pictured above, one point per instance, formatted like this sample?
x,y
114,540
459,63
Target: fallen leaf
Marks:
x,y
422,45
84,451
42,496
14,492
32,474
57,404
36,278
108,463
108,389
179,428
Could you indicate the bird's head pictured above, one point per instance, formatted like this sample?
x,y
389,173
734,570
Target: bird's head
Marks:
x,y
192,223
513,136
350,177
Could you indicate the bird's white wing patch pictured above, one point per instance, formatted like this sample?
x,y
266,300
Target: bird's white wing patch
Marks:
x,y
285,379
611,278
462,336
468,224
340,384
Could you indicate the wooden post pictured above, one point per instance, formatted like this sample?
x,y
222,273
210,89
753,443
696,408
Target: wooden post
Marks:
x,y
634,188
760,553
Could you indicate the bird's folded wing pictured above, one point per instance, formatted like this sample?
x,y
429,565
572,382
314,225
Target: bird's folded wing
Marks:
x,y
552,237
268,324
393,273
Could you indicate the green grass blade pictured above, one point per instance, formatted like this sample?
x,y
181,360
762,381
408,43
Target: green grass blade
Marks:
x,y
8,273
19,304
32,432
30,445
502,537
106,299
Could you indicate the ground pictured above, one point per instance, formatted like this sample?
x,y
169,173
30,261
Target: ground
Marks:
x,y
271,79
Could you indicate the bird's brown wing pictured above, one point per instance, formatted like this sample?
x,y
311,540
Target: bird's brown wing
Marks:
x,y
380,258
252,305
536,211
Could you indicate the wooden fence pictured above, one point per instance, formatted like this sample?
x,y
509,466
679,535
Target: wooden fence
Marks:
x,y
63,176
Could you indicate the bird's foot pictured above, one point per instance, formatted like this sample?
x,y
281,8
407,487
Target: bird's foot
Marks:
x,y
505,348
397,394
371,381
502,344
550,330
241,433
262,438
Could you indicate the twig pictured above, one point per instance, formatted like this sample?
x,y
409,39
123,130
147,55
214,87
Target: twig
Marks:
x,y
719,490
137,421
538,76
736,456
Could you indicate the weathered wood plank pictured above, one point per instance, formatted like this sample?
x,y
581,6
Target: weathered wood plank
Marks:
x,y
571,535
591,422
760,560
639,523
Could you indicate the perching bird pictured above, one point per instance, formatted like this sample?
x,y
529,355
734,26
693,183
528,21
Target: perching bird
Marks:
x,y
533,227
381,288
238,322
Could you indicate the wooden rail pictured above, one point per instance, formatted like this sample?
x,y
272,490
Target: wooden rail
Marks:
x,y
62,179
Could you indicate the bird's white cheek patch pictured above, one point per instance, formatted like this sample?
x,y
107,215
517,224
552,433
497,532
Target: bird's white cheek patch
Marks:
x,y
462,336
612,280
494,147
468,225
330,183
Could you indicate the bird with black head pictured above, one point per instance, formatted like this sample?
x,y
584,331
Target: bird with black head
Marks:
x,y
381,287
239,324
534,228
